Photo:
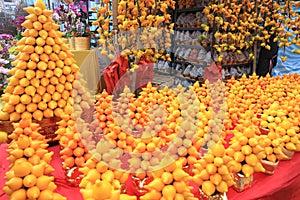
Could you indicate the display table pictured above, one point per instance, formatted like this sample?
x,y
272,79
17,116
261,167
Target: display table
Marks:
x,y
284,184
87,60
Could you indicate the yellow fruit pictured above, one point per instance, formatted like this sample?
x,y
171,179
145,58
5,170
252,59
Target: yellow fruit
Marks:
x,y
29,180
46,195
37,25
20,108
33,192
251,160
239,156
101,189
101,167
42,182
14,183
25,99
3,135
18,195
216,179
211,168
222,187
208,188
218,161
22,169
167,177
246,150
27,24
45,58
38,115
157,184
290,146
169,192
39,50
218,150
247,170
179,174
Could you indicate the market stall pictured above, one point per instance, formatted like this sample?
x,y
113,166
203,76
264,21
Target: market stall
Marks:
x,y
224,134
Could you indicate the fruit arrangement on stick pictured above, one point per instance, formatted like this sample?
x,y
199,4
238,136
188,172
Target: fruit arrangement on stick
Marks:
x,y
43,72
29,175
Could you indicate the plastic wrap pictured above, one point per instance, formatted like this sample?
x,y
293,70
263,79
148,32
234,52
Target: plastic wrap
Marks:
x,y
187,70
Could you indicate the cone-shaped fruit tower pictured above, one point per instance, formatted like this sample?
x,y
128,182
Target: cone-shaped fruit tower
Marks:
x,y
44,69
212,173
29,176
73,132
137,135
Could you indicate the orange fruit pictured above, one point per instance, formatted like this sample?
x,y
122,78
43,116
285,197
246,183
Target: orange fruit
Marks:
x,y
22,169
18,195
33,192
69,162
246,150
218,150
239,156
169,192
14,183
46,194
42,182
208,188
247,170
211,168
251,159
78,151
222,187
29,180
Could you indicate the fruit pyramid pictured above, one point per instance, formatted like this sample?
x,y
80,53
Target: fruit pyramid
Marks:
x,y
117,117
44,69
29,176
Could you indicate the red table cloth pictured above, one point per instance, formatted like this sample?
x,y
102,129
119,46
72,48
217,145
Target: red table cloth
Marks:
x,y
284,184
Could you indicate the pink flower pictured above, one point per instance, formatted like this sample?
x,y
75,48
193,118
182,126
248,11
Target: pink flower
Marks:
x,y
84,9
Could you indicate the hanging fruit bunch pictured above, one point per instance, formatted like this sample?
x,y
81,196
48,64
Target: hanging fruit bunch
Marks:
x,y
237,25
144,29
29,176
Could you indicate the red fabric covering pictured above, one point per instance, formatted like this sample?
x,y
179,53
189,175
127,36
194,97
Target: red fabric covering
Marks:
x,y
114,72
116,76
213,73
284,184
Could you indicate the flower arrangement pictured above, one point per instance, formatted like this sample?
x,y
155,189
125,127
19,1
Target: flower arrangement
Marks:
x,y
7,55
73,18
18,21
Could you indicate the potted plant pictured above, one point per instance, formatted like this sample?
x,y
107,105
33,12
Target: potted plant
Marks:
x,y
73,19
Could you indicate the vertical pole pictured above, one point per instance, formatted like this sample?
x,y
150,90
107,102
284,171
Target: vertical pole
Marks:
x,y
115,23
49,5
115,14
255,43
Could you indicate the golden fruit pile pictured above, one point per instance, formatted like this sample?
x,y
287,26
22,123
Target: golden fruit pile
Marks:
x,y
182,122
29,175
44,69
73,129
43,85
